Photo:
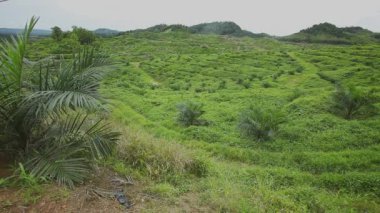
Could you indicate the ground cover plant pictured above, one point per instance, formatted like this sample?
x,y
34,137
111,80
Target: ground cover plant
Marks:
x,y
299,151
317,160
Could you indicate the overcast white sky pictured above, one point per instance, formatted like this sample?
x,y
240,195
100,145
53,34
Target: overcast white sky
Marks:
x,y
276,17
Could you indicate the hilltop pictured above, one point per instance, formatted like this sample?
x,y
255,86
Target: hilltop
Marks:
x,y
320,33
15,31
106,32
45,33
329,33
216,28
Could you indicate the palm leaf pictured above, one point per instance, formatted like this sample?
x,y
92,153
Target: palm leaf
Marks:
x,y
12,54
61,162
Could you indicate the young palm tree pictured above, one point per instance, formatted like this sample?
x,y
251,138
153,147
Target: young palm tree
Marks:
x,y
41,111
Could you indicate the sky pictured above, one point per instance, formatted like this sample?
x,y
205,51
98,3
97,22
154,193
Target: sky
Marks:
x,y
275,17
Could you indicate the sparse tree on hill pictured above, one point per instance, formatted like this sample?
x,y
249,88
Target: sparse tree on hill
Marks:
x,y
57,33
84,36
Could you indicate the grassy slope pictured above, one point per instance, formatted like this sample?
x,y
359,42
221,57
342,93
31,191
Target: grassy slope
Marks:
x,y
317,162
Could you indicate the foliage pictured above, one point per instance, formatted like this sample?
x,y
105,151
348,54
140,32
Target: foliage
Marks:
x,y
68,45
57,33
159,159
316,163
84,36
37,107
260,124
350,100
331,34
189,113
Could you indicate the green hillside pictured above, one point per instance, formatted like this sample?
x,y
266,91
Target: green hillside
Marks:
x,y
216,28
317,161
329,33
312,158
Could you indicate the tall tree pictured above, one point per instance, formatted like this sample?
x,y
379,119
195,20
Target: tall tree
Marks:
x,y
57,33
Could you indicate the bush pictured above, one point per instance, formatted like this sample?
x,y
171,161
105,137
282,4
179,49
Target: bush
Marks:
x,y
159,159
189,113
327,78
299,69
362,183
239,81
348,101
252,76
266,85
67,45
46,118
222,85
260,124
175,87
57,33
163,190
296,94
84,36
246,84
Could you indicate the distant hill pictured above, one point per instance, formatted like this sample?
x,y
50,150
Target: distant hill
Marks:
x,y
106,32
15,31
217,28
39,32
224,28
331,34
167,28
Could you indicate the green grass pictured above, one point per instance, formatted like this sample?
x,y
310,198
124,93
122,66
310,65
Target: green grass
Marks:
x,y
317,160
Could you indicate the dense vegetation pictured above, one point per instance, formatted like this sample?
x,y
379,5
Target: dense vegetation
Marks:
x,y
330,34
317,160
45,112
217,28
242,124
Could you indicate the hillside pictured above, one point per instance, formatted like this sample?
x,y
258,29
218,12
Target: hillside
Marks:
x,y
216,28
106,32
329,33
14,31
315,160
45,33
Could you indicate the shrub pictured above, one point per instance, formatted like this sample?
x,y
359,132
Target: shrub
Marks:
x,y
163,190
189,113
187,86
266,84
299,69
252,76
159,159
175,87
198,90
296,94
327,78
84,36
259,123
356,182
67,45
291,72
222,85
239,81
348,101
274,77
246,84
57,33
37,108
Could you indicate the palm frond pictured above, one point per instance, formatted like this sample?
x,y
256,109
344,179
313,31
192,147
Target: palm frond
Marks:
x,y
60,162
68,148
12,54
